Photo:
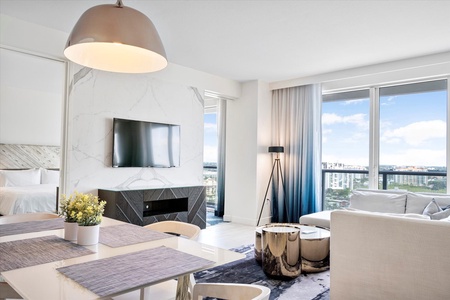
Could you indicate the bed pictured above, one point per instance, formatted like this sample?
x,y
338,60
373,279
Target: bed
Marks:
x,y
26,191
29,179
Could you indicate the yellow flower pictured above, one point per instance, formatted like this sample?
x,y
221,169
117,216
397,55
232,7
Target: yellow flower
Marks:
x,y
85,209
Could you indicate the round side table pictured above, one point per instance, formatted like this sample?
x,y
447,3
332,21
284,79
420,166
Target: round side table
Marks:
x,y
281,250
315,248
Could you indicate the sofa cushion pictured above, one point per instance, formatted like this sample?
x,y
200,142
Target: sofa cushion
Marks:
x,y
379,201
414,216
416,202
321,219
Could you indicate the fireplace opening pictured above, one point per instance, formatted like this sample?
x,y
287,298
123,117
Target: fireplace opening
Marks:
x,y
166,206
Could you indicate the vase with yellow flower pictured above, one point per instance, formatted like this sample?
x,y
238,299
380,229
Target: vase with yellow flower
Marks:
x,y
89,212
68,211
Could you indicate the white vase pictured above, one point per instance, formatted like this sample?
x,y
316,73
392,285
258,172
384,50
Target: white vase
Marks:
x,y
70,231
88,235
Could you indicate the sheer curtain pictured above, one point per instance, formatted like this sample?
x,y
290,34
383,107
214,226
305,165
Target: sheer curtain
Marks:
x,y
296,125
221,132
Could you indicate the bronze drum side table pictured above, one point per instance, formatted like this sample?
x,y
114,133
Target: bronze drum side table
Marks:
x,y
281,250
314,247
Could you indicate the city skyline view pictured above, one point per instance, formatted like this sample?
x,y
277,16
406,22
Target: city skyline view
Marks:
x,y
412,130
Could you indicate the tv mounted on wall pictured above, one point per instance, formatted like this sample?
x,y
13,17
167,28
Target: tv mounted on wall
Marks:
x,y
145,144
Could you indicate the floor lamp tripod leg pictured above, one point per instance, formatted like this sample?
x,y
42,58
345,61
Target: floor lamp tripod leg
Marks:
x,y
284,193
267,190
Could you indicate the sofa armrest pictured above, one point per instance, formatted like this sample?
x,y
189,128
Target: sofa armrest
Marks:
x,y
385,257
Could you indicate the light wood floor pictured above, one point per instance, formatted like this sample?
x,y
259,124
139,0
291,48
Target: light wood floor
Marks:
x,y
227,235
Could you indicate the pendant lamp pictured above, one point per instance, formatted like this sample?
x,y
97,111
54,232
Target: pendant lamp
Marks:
x,y
116,38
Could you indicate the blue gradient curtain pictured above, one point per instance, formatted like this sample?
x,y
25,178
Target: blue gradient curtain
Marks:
x,y
296,125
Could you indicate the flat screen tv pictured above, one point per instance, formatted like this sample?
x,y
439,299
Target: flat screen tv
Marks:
x,y
145,144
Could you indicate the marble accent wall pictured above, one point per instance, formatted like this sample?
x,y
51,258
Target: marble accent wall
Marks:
x,y
96,97
16,156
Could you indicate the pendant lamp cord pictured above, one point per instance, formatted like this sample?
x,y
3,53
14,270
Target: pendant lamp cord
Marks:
x,y
119,3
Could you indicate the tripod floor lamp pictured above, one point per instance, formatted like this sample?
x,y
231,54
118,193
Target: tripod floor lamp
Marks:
x,y
276,166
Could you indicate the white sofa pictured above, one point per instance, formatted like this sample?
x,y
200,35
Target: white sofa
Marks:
x,y
395,202
379,256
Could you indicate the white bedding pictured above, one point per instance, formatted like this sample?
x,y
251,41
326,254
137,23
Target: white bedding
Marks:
x,y
26,199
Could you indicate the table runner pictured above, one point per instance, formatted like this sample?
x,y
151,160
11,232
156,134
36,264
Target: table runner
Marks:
x,y
117,274
128,234
31,226
36,251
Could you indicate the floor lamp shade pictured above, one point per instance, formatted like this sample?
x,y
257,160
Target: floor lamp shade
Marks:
x,y
276,149
116,38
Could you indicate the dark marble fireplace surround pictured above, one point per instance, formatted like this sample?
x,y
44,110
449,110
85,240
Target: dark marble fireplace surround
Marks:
x,y
142,206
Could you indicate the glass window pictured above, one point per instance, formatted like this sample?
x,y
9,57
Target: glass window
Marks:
x,y
345,145
210,148
413,136
411,140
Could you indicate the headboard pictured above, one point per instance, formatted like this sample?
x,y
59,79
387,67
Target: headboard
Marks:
x,y
18,156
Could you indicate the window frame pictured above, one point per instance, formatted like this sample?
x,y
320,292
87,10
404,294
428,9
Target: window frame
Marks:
x,y
374,124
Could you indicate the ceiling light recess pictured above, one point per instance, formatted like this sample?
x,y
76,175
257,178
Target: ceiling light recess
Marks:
x,y
116,38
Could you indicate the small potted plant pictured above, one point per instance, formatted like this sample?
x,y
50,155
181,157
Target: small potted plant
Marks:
x,y
68,211
87,212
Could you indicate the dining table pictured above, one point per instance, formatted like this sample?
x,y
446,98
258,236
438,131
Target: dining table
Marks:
x,y
38,263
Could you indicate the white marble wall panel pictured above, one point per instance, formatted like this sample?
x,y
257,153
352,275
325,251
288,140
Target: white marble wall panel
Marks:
x,y
96,97
16,156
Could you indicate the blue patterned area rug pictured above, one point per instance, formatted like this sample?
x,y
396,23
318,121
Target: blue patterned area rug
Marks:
x,y
314,286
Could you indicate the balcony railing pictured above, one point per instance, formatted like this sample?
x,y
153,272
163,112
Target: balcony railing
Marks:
x,y
210,182
336,188
336,194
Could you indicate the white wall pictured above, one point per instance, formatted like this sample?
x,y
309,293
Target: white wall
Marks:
x,y
417,68
264,159
173,95
247,161
96,97
31,97
27,36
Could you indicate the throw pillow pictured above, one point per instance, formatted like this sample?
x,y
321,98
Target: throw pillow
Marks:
x,y
12,178
445,220
49,176
440,215
432,208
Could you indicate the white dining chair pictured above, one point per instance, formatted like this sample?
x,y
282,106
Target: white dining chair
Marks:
x,y
165,290
9,219
187,230
234,291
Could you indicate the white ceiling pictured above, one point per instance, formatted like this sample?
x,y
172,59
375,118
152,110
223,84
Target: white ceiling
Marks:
x,y
272,40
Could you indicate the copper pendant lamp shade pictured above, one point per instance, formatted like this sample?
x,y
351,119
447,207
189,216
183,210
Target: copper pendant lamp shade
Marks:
x,y
116,38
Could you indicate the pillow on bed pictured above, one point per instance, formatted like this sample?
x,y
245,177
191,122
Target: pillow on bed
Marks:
x,y
49,176
9,178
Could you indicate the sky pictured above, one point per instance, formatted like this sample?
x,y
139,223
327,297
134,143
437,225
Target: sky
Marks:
x,y
210,138
412,130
